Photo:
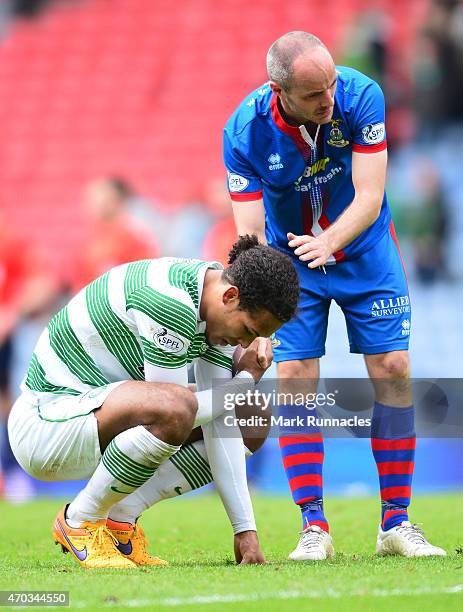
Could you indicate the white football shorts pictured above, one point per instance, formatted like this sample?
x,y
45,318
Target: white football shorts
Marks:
x,y
56,437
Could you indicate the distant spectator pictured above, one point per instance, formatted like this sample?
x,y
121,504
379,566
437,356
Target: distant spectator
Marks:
x,y
26,284
369,47
367,43
114,236
28,291
439,66
429,225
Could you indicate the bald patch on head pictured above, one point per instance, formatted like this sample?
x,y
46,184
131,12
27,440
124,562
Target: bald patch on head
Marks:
x,y
294,53
313,71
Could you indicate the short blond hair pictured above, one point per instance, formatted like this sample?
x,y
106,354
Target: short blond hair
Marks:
x,y
283,52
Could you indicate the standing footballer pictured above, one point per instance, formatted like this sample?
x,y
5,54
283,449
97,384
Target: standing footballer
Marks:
x,y
306,157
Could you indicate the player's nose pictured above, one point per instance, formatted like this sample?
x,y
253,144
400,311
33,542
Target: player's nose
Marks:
x,y
328,98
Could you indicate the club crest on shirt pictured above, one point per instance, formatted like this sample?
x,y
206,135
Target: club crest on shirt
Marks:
x,y
336,138
168,341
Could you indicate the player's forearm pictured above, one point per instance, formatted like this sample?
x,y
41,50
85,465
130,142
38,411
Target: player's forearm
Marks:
x,y
250,228
357,217
225,451
250,219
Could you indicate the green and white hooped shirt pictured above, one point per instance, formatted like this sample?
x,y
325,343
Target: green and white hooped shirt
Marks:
x,y
139,321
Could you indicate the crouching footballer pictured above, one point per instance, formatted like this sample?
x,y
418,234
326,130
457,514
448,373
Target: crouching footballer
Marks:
x,y
106,395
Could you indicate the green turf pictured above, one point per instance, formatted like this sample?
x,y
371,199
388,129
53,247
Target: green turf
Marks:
x,y
193,534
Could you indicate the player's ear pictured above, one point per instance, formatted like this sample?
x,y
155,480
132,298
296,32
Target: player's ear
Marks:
x,y
231,295
277,89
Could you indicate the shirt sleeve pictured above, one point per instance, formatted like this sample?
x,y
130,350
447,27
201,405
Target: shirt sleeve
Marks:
x,y
243,183
165,326
224,445
369,121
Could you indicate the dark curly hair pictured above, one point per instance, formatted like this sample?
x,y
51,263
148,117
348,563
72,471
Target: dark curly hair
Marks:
x,y
265,277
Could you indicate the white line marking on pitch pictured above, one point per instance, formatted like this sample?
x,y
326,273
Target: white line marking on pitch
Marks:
x,y
233,598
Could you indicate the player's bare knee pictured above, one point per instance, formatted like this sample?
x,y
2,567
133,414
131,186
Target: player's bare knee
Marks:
x,y
174,426
186,399
298,368
394,366
170,413
183,417
189,410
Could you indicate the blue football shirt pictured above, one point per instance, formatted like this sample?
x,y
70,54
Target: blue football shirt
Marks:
x,y
306,185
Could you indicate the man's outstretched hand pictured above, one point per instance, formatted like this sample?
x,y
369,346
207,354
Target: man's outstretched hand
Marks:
x,y
247,549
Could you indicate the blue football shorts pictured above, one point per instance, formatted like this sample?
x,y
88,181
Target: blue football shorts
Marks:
x,y
372,292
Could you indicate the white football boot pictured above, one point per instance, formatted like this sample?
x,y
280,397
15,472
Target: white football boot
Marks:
x,y
406,540
314,545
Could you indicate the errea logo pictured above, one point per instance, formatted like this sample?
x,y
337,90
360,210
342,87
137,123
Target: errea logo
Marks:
x,y
406,327
275,162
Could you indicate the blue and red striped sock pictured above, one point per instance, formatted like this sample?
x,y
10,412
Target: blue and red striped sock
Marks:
x,y
303,456
393,442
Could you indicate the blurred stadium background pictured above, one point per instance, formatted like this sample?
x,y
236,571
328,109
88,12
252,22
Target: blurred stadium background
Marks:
x,y
111,113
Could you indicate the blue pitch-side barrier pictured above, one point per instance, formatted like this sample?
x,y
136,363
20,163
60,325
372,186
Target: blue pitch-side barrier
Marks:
x,y
349,469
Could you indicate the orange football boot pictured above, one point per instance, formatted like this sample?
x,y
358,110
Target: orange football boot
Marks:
x,y
92,544
132,543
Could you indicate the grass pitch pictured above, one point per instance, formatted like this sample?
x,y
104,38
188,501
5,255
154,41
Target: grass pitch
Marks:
x,y
194,535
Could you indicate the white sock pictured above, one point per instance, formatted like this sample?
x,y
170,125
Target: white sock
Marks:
x,y
129,460
188,469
